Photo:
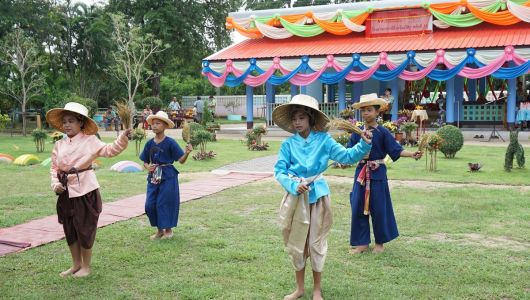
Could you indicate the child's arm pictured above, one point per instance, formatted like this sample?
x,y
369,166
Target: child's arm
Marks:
x,y
416,155
280,172
57,187
351,155
110,150
187,152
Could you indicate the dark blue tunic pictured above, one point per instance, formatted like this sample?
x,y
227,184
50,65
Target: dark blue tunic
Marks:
x,y
163,200
383,219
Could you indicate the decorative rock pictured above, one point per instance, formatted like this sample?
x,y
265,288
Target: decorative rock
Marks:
x,y
126,166
26,160
6,158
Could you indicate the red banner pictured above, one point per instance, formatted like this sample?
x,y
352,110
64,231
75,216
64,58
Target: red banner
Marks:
x,y
402,22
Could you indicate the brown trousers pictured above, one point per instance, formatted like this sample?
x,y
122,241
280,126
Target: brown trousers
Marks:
x,y
305,228
79,217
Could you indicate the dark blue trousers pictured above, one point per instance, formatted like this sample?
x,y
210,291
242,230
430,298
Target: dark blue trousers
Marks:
x,y
383,219
162,203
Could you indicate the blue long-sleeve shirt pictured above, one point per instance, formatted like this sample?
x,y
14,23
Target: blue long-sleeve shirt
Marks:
x,y
308,157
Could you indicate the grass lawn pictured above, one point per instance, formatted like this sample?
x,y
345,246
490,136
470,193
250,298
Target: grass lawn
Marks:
x,y
27,193
456,169
455,243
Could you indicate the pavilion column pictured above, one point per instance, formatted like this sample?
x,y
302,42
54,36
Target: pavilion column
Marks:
x,y
357,90
342,94
250,106
394,85
450,101
482,86
269,95
294,90
472,88
459,99
303,89
315,90
511,102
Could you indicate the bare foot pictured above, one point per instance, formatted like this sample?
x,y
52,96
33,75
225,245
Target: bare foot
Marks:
x,y
379,248
83,272
297,294
156,236
359,249
69,272
167,235
317,295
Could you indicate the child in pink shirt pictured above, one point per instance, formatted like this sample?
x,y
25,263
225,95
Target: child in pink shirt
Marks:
x,y
74,180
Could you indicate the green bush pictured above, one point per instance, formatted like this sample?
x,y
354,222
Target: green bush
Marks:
x,y
39,136
342,138
453,140
154,103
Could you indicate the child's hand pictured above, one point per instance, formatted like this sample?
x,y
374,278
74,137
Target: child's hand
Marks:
x,y
302,188
189,148
367,136
127,132
58,189
417,155
151,167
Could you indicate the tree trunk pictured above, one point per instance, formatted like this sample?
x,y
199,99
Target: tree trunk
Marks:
x,y
24,120
155,85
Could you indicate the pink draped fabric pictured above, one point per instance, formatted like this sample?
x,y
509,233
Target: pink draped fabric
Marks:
x,y
306,78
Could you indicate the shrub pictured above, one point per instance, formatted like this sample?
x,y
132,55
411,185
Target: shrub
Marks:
x,y
200,137
4,119
342,138
154,103
254,136
453,140
39,136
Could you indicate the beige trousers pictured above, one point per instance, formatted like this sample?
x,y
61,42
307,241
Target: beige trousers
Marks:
x,y
305,228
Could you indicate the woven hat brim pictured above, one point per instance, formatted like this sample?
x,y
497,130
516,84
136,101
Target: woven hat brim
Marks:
x,y
169,123
54,117
378,101
281,117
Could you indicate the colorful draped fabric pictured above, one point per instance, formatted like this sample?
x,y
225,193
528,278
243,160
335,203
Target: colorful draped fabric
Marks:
x,y
502,64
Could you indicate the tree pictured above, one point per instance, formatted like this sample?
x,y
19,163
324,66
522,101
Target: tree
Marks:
x,y
130,57
24,82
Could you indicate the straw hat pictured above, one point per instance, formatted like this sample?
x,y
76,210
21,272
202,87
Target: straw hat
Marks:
x,y
281,115
370,100
54,117
162,116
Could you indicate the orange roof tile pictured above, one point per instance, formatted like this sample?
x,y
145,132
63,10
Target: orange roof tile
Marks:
x,y
482,36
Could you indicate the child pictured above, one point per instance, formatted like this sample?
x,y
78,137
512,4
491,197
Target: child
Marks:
x,y
73,179
371,181
305,213
163,200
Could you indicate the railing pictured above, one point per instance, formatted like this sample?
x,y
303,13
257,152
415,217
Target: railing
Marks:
x,y
241,101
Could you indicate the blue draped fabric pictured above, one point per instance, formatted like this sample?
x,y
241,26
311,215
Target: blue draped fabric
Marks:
x,y
381,75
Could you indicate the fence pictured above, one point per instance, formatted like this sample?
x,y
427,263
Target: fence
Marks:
x,y
241,104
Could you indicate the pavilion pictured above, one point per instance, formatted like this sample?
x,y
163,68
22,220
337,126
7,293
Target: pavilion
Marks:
x,y
366,47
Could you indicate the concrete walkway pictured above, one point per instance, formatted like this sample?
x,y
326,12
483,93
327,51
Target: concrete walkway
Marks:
x,y
46,230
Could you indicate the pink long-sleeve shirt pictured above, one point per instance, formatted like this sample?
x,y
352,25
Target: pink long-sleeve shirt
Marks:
x,y
79,152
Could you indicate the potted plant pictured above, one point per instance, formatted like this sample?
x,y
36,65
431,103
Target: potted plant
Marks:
x,y
231,106
254,136
399,132
408,127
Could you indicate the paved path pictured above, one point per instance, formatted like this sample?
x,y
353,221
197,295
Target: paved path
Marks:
x,y
260,165
46,230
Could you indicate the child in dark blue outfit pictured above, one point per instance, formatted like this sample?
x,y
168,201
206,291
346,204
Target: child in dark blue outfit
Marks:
x,y
370,195
163,200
